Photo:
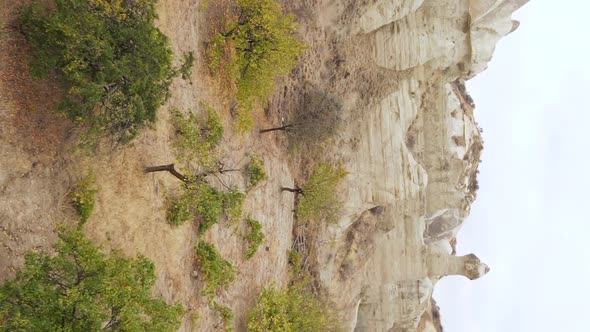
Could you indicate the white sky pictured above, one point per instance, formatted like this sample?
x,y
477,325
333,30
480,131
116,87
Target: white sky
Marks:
x,y
529,222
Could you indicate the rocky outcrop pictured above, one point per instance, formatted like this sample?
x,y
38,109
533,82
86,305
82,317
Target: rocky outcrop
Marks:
x,y
415,152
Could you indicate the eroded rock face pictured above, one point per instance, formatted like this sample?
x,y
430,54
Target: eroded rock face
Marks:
x,y
415,151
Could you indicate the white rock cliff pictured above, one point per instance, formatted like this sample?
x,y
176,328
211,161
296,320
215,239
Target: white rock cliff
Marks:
x,y
414,157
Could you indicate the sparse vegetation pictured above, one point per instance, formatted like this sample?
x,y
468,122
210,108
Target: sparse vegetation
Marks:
x,y
82,197
208,204
294,309
81,289
226,315
319,199
186,69
254,237
262,46
255,172
218,272
317,121
197,137
295,260
113,61
179,210
233,201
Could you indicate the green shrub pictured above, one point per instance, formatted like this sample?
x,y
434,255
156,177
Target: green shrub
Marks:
x,y
233,202
79,288
320,200
226,315
254,237
83,197
213,128
263,47
290,309
218,272
186,69
295,259
197,137
179,210
255,172
115,64
209,206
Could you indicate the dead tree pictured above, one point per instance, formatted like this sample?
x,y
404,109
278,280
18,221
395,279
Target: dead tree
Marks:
x,y
297,190
220,169
317,120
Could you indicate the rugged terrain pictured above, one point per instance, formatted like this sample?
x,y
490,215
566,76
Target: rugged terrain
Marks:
x,y
409,140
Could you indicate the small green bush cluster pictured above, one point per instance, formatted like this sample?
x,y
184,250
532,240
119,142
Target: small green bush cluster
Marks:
x,y
293,309
226,315
320,200
83,197
197,137
255,172
218,272
254,237
209,204
212,204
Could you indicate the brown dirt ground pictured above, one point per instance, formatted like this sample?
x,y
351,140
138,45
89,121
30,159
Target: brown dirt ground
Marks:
x,y
39,164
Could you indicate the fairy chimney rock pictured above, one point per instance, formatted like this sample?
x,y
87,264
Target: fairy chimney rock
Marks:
x,y
443,264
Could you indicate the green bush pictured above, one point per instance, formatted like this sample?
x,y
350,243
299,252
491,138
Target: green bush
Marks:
x,y
255,172
295,259
208,204
115,64
197,137
83,197
254,237
179,210
186,69
218,272
81,289
226,315
320,200
233,202
290,309
263,46
212,204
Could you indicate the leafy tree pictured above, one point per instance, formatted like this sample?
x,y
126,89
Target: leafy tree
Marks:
x,y
317,121
319,197
196,141
82,289
114,62
263,47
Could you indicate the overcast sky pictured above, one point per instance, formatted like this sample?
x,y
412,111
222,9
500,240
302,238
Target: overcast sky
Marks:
x,y
528,222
